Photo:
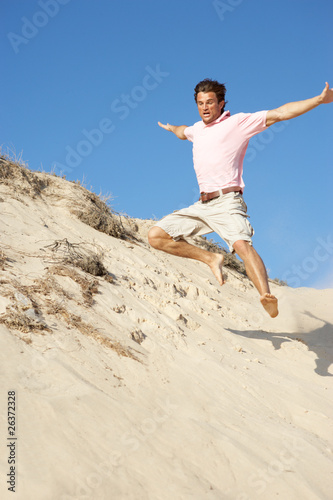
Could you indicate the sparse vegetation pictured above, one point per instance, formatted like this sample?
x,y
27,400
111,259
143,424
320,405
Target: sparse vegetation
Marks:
x,y
78,255
17,320
230,260
15,172
96,213
277,281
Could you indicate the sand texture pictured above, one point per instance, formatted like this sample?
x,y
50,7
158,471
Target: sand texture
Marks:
x,y
137,376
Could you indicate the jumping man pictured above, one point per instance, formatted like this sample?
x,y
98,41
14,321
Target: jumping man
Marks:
x,y
219,145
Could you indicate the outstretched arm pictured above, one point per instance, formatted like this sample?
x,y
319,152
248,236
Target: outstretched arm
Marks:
x,y
177,130
293,109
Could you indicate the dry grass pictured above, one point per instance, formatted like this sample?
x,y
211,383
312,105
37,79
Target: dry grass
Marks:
x,y
92,265
230,260
42,286
14,172
96,213
277,281
17,320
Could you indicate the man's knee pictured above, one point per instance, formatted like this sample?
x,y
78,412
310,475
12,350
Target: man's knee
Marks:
x,y
155,236
242,248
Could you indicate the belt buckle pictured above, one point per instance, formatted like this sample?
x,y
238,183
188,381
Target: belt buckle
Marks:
x,y
202,195
209,198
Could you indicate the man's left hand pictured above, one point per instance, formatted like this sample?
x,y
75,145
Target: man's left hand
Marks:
x,y
327,95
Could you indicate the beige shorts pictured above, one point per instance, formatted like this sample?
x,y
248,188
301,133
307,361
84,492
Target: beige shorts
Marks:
x,y
225,215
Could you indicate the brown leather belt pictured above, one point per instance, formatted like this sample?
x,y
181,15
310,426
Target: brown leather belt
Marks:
x,y
204,197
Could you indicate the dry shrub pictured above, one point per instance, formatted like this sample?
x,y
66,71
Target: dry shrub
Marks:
x,y
15,173
92,264
97,214
65,251
230,260
277,281
75,254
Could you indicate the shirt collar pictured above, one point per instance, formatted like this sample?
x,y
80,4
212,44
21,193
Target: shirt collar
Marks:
x,y
224,115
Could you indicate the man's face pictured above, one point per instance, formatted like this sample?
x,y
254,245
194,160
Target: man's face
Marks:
x,y
208,106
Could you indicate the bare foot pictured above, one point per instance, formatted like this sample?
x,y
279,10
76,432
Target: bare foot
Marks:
x,y
270,304
216,267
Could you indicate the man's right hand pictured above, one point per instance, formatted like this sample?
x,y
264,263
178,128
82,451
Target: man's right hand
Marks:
x,y
177,130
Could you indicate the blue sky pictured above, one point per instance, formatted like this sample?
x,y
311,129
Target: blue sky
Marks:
x,y
84,83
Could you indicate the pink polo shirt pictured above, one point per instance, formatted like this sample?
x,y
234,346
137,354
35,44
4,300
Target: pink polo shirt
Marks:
x,y
219,148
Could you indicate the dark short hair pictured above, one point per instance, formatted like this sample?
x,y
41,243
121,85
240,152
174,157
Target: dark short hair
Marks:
x,y
209,85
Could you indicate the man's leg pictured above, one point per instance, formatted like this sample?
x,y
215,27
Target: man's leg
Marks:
x,y
256,271
161,240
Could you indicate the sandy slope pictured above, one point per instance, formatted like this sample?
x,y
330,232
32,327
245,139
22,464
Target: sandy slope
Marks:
x,y
159,384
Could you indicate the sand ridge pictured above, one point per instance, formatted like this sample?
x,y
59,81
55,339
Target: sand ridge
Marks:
x,y
149,381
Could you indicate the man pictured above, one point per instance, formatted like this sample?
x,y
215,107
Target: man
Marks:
x,y
219,146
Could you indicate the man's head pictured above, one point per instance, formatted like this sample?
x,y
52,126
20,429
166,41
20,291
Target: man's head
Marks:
x,y
210,98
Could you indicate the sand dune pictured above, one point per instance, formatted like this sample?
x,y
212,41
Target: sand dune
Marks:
x,y
140,377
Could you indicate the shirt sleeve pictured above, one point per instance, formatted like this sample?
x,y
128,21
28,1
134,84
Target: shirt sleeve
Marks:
x,y
252,123
188,132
